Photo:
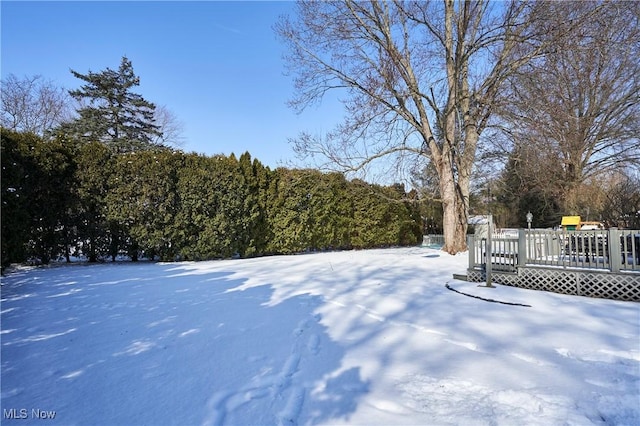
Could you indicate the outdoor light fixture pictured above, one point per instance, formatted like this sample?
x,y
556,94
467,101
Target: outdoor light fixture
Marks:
x,y
529,219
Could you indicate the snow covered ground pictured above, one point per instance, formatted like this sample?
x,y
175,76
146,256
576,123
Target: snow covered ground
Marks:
x,y
360,337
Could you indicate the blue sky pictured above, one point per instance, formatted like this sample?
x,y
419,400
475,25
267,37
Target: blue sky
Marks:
x,y
217,65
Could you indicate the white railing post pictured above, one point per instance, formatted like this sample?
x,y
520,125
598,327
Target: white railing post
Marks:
x,y
522,247
488,253
615,258
471,246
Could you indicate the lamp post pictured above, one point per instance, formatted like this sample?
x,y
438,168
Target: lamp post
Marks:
x,y
529,219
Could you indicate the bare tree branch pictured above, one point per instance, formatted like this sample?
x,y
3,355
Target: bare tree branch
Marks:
x,y
32,104
582,101
418,81
170,127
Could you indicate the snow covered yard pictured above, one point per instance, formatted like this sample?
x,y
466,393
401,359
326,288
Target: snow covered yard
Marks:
x,y
360,337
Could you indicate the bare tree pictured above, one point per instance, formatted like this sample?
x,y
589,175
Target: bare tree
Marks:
x,y
623,201
421,79
171,128
577,110
32,104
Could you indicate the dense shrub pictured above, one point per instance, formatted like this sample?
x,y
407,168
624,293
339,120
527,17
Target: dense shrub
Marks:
x,y
64,198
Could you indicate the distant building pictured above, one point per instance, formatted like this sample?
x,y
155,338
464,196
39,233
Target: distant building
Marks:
x,y
480,224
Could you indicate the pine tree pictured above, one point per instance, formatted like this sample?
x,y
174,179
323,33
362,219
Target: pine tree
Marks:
x,y
114,114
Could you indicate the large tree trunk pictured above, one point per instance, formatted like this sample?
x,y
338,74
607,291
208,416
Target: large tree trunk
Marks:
x,y
454,228
454,207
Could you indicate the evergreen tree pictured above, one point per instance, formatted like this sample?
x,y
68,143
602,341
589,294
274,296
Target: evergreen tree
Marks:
x,y
381,218
261,233
37,199
143,201
330,210
219,213
230,222
61,194
197,192
291,215
114,114
93,171
16,221
520,192
253,236
368,215
52,199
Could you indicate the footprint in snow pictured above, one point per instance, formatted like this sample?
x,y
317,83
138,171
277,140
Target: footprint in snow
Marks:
x,y
313,344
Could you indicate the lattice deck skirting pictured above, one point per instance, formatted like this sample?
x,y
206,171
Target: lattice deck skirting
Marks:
x,y
607,285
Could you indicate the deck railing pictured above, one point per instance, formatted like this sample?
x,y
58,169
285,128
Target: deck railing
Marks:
x,y
614,250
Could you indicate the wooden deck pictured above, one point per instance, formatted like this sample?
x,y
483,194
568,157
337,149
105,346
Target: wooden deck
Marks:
x,y
586,263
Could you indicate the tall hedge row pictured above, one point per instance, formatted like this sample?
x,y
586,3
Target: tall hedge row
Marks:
x,y
61,198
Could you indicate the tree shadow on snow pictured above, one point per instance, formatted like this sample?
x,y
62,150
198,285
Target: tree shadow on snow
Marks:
x,y
168,344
